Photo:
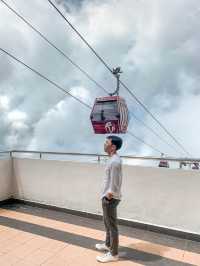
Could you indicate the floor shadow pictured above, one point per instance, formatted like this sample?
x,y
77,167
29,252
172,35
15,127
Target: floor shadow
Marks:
x,y
82,241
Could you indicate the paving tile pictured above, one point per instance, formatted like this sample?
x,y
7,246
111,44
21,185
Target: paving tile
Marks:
x,y
140,247
7,234
23,237
53,246
37,257
192,258
25,263
7,260
70,252
54,262
9,245
2,228
25,249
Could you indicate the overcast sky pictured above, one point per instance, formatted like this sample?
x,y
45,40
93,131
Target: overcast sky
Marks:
x,y
156,42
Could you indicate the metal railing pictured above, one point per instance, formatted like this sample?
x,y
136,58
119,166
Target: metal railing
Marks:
x,y
41,153
6,152
99,157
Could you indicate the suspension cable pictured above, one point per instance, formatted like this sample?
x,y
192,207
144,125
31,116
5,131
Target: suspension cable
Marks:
x,y
111,71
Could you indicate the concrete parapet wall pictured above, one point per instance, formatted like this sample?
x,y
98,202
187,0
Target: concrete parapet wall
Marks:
x,y
164,197
6,179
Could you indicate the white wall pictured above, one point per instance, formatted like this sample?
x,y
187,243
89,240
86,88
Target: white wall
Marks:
x,y
65,184
165,197
6,184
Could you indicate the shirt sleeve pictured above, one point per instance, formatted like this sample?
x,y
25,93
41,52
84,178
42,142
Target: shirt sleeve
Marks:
x,y
115,178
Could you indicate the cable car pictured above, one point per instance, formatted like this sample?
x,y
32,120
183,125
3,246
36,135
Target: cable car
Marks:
x,y
163,163
195,166
110,113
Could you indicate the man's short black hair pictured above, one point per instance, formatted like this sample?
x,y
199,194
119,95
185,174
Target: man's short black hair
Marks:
x,y
115,140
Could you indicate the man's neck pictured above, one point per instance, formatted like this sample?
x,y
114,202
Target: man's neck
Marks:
x,y
112,153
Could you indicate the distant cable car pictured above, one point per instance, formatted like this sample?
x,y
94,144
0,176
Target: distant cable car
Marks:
x,y
110,113
163,162
195,166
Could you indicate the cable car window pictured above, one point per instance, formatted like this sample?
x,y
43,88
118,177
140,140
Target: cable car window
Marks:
x,y
105,111
106,106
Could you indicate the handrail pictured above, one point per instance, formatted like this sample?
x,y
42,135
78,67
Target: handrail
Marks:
x,y
104,155
5,151
59,153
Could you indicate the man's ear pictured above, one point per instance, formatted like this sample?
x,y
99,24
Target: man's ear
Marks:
x,y
114,146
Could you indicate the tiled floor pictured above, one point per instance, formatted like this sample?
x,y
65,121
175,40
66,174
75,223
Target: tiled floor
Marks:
x,y
31,236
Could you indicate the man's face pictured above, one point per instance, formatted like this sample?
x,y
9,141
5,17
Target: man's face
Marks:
x,y
108,146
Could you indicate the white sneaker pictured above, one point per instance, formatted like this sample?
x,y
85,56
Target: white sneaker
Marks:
x,y
102,247
108,257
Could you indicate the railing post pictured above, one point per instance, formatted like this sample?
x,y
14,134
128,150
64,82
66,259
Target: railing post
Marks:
x,y
40,155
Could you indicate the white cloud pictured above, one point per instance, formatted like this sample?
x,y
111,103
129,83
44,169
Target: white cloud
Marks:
x,y
155,45
4,103
16,116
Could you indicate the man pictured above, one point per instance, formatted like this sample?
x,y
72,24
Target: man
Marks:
x,y
111,196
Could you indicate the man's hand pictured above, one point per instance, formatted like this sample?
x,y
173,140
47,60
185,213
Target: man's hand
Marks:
x,y
109,195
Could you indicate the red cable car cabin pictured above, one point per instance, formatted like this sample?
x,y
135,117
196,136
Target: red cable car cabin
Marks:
x,y
109,115
163,163
195,166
